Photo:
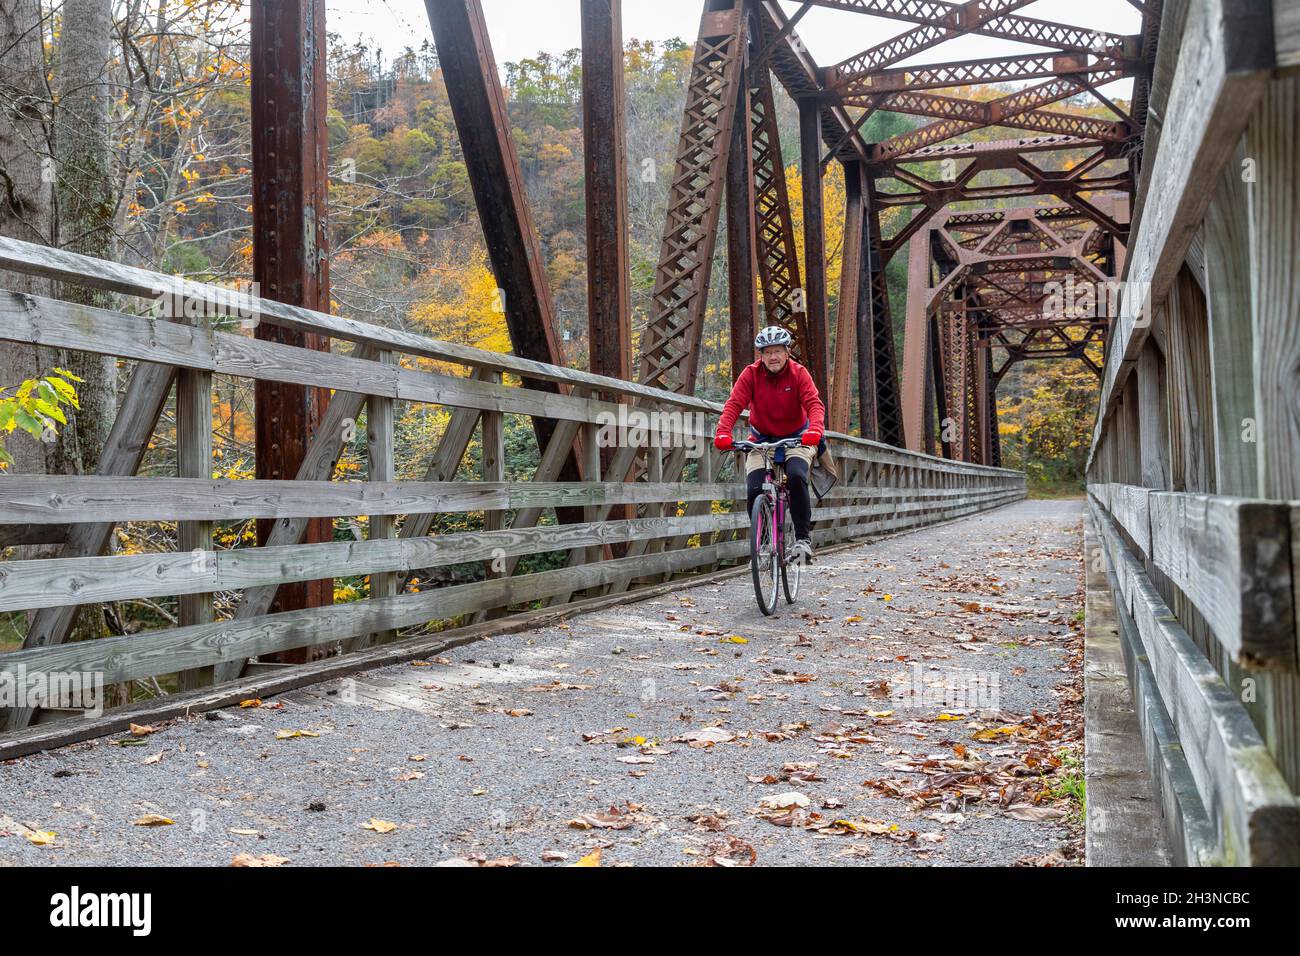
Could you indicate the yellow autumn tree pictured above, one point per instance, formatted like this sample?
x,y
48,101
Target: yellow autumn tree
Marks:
x,y
462,303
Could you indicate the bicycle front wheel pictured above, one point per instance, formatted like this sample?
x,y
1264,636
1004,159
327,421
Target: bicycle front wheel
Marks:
x,y
792,566
764,556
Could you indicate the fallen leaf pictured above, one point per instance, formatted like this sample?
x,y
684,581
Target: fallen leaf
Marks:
x,y
152,820
785,801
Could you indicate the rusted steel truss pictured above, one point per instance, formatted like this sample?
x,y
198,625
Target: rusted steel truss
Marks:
x,y
979,276
998,287
669,344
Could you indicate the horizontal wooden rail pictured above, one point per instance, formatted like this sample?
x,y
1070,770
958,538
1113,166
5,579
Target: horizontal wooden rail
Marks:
x,y
1231,557
1253,817
87,580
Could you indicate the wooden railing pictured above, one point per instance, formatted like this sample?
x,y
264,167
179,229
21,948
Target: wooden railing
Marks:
x,y
669,513
1194,472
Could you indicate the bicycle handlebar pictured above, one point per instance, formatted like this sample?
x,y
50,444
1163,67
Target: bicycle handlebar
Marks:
x,y
762,446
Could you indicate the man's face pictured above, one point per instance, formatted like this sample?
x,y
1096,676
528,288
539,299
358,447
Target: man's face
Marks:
x,y
774,357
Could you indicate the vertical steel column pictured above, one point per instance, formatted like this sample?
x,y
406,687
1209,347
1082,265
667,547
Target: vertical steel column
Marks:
x,y
868,412
605,155
290,184
784,296
814,241
916,340
839,408
742,260
888,410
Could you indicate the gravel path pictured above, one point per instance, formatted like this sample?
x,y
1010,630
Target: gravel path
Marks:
x,y
920,704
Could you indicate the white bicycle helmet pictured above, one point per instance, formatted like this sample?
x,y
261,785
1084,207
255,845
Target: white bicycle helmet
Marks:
x,y
772,335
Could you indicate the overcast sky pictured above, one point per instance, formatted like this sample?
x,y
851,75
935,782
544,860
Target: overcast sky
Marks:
x,y
522,28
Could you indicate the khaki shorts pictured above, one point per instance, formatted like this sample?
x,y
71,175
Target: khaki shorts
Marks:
x,y
754,459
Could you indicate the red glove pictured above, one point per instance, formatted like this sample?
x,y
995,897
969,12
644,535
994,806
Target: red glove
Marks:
x,y
811,436
723,441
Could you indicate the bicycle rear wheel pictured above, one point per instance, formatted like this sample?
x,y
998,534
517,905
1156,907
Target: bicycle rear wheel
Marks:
x,y
764,560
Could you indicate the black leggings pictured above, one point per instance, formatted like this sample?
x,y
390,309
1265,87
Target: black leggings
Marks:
x,y
796,470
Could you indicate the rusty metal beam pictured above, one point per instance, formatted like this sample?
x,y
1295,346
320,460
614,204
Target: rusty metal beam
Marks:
x,y
478,106
846,323
609,300
290,184
814,243
742,242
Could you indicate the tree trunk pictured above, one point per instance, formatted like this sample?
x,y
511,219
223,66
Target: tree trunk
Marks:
x,y
85,213
86,209
25,193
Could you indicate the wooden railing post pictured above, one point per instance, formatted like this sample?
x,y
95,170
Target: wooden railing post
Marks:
x,y
194,460
379,448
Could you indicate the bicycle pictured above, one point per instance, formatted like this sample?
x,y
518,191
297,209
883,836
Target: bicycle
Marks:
x,y
771,534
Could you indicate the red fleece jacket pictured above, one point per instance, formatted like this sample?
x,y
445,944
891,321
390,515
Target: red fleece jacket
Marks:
x,y
778,404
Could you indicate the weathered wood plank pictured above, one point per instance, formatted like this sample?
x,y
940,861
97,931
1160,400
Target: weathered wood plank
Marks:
x,y
1123,822
58,324
65,499
24,584
1228,300
194,460
380,437
1231,558
1129,507
1244,794
1275,292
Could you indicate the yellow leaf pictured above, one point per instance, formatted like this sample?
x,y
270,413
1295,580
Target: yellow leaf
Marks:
x,y
286,734
255,702
591,859
40,837
950,717
733,639
379,826
152,820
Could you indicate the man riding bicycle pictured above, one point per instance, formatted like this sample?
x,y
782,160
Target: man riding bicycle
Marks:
x,y
783,402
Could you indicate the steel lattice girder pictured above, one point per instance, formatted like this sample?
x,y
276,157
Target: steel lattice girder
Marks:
x,y
940,21
1000,69
669,344
778,263
995,266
